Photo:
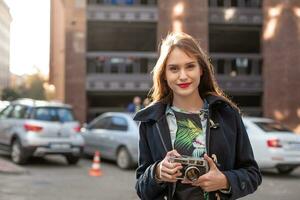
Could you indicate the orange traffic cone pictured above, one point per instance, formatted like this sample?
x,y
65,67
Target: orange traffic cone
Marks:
x,y
96,168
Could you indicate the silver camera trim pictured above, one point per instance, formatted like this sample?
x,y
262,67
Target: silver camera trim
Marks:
x,y
190,162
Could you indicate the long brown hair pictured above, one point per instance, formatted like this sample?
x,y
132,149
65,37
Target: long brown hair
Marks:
x,y
208,85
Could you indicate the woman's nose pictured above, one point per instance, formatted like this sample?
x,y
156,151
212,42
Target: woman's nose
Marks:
x,y
182,75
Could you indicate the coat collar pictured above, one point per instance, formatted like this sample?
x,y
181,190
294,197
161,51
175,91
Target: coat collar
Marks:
x,y
157,110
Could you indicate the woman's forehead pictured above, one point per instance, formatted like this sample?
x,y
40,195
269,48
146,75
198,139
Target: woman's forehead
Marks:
x,y
178,56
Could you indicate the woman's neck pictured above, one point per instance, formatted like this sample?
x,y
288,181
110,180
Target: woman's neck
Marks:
x,y
191,104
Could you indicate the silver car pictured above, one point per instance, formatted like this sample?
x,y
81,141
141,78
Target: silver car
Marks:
x,y
37,128
115,135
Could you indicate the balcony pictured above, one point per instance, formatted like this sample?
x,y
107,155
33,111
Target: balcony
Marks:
x,y
119,71
138,13
238,73
130,71
235,12
122,2
235,3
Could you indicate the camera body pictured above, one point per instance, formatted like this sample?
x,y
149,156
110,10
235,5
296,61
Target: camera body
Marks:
x,y
192,168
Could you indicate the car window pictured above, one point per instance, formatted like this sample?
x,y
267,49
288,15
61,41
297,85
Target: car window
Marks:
x,y
28,112
118,123
272,127
102,123
53,114
18,112
6,112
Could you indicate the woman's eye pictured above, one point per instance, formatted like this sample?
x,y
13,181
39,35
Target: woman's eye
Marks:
x,y
173,69
190,66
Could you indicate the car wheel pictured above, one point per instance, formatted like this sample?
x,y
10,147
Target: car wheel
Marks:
x,y
72,160
124,159
285,169
17,153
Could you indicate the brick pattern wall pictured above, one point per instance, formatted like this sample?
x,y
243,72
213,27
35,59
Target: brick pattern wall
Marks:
x,y
193,19
68,63
281,68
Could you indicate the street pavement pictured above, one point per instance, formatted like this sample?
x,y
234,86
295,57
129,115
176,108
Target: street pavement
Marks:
x,y
52,178
7,167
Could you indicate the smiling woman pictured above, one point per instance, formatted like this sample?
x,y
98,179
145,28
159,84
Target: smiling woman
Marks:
x,y
30,36
191,119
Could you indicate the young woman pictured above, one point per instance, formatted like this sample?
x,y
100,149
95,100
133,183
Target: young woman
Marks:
x,y
191,116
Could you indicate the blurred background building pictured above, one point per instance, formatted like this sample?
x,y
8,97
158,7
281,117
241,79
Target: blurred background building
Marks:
x,y
5,20
102,51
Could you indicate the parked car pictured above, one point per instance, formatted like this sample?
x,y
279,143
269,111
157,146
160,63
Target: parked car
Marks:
x,y
115,135
37,128
3,104
274,146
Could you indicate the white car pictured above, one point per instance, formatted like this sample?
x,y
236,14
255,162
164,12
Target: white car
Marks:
x,y
274,146
3,104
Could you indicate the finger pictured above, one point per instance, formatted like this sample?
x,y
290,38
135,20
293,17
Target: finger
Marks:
x,y
170,165
173,153
171,171
211,163
169,177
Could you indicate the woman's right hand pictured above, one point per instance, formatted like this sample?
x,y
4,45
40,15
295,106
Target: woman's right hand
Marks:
x,y
166,171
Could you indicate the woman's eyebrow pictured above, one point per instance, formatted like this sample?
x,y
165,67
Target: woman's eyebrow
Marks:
x,y
193,62
175,65
172,65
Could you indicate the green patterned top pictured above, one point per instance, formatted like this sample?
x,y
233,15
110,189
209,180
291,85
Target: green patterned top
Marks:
x,y
190,141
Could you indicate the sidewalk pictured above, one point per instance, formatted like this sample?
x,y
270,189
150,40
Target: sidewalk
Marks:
x,y
7,167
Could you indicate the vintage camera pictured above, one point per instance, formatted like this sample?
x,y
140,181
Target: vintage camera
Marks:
x,y
193,167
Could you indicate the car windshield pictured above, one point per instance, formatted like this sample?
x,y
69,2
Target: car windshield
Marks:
x,y
272,127
54,114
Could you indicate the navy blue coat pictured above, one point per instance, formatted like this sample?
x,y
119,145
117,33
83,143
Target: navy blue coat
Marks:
x,y
228,140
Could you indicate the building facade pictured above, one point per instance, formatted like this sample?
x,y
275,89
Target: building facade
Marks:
x,y
117,43
5,20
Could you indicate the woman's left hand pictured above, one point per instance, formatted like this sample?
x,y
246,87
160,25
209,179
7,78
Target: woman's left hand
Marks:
x,y
213,180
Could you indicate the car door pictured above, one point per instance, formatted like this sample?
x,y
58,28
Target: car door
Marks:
x,y
5,125
16,123
115,135
94,135
257,141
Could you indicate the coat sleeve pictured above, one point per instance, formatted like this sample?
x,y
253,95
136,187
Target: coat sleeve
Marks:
x,y
245,177
146,186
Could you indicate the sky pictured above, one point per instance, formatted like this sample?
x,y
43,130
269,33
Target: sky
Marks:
x,y
29,36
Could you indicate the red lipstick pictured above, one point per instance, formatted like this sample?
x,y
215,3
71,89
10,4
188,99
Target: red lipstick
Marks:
x,y
184,85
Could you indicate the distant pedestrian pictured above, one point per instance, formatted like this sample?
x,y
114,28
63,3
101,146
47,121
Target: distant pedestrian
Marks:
x,y
146,102
136,105
190,116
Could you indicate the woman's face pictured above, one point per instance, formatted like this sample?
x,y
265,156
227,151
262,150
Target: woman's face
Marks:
x,y
182,74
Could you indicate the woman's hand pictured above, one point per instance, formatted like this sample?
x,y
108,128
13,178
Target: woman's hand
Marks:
x,y
167,171
213,180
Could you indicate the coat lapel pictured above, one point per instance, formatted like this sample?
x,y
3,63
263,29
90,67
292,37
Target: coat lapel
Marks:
x,y
165,132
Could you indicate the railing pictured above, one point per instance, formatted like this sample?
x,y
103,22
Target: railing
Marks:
x,y
122,13
122,2
237,64
235,3
125,71
131,71
120,63
232,15
238,72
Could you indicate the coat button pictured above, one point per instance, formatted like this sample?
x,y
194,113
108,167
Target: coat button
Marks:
x,y
243,185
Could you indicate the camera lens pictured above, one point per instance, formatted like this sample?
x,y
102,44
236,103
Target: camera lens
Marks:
x,y
192,173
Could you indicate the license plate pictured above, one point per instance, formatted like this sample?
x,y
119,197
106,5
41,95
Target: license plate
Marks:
x,y
60,146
